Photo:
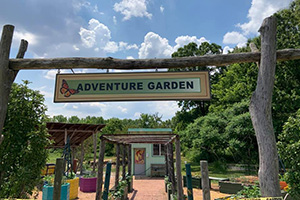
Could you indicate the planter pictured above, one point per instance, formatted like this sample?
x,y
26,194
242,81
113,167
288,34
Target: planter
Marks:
x,y
74,185
48,192
196,182
88,184
230,187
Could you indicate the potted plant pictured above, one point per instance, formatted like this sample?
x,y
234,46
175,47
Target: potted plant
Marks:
x,y
74,184
88,183
48,189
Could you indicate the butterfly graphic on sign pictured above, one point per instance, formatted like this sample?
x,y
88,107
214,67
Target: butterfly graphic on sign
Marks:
x,y
65,90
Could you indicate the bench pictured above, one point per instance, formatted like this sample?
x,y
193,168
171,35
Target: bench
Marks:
x,y
158,170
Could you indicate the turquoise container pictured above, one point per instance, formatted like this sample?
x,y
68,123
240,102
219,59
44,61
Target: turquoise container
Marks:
x,y
64,194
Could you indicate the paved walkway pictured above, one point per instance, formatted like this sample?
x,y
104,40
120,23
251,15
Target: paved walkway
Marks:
x,y
148,189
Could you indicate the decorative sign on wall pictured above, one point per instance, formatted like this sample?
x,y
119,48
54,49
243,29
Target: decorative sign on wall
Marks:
x,y
132,86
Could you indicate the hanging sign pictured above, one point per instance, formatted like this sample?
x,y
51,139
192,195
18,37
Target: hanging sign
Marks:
x,y
132,86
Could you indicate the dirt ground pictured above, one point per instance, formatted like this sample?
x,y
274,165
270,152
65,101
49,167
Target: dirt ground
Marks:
x,y
150,189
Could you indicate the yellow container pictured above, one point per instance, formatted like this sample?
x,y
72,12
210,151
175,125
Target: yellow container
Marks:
x,y
74,185
50,170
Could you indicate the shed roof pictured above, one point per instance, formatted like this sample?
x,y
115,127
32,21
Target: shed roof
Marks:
x,y
150,130
76,132
140,138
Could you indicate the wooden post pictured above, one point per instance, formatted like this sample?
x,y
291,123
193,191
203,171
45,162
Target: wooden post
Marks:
x,y
107,180
59,170
171,167
81,157
6,75
124,162
100,170
166,160
261,111
130,186
117,165
95,150
189,182
178,169
205,180
21,53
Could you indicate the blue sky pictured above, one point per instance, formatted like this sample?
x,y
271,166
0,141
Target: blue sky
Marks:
x,y
125,29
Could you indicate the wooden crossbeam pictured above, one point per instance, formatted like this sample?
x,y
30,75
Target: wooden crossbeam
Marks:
x,y
128,64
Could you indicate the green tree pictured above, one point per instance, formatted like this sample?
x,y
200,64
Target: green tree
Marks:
x,y
22,152
289,151
190,110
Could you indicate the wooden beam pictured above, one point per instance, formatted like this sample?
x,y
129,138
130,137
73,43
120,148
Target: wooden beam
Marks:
x,y
178,169
205,180
261,112
117,165
100,170
171,168
166,160
128,64
82,158
124,161
95,150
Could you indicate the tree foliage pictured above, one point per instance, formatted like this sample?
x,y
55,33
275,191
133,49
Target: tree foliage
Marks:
x,y
289,150
22,152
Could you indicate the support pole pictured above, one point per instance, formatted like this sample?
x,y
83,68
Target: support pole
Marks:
x,y
178,169
189,182
59,170
261,111
81,158
130,186
205,180
7,76
166,160
21,54
107,180
117,165
171,168
124,162
100,170
95,150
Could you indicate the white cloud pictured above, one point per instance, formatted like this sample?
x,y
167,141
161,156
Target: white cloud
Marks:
x,y
30,37
129,57
132,8
137,115
165,108
155,46
259,10
111,47
51,74
161,8
184,40
126,46
235,38
122,109
226,49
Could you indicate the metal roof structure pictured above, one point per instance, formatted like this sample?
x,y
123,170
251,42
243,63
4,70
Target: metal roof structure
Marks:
x,y
59,132
153,130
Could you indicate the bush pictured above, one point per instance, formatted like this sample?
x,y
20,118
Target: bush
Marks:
x,y
22,152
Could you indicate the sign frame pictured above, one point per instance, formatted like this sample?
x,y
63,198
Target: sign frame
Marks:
x,y
204,84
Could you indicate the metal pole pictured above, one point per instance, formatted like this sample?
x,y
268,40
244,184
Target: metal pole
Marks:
x,y
107,180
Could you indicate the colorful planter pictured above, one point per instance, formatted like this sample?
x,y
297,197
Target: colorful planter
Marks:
x,y
48,192
74,185
88,184
283,184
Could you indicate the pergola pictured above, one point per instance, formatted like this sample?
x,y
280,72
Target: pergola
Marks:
x,y
126,140
74,134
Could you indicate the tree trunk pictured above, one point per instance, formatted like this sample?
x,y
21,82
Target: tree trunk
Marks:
x,y
261,114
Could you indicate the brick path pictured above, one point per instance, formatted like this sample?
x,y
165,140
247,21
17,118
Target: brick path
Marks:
x,y
148,189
